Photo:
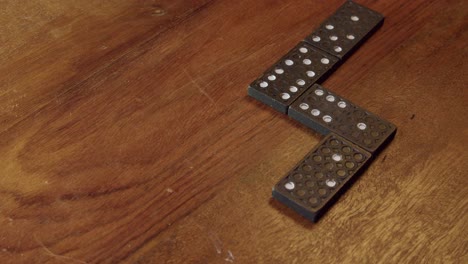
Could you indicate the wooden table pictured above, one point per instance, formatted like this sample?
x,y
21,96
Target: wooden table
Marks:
x,y
126,134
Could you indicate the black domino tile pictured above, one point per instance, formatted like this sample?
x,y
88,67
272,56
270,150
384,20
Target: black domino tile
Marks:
x,y
325,111
346,29
289,77
317,181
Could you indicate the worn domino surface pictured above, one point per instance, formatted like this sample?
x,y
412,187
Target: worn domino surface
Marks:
x,y
318,180
346,29
325,112
289,77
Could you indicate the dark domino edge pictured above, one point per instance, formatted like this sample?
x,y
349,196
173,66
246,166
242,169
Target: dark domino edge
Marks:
x,y
325,112
289,77
321,177
346,29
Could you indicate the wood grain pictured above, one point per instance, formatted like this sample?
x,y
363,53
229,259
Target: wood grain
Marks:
x,y
126,135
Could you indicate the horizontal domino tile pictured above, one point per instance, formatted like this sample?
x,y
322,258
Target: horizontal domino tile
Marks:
x,y
346,29
325,111
317,180
289,77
